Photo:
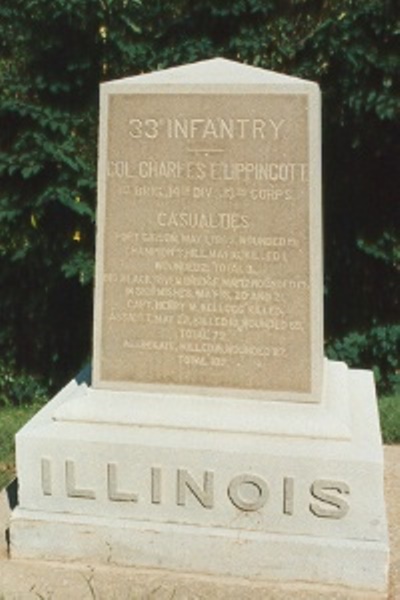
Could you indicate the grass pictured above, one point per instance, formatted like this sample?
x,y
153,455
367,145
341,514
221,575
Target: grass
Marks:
x,y
13,418
389,412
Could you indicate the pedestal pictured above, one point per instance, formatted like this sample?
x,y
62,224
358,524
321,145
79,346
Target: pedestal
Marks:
x,y
260,489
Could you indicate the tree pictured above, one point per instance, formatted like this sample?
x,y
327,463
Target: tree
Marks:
x,y
53,57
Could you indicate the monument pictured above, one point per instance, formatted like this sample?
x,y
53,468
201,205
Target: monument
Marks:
x,y
213,437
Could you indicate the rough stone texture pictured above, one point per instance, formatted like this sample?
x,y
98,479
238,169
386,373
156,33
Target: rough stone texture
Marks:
x,y
208,253
26,579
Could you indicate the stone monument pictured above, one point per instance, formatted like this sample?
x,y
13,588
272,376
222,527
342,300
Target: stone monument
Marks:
x,y
213,437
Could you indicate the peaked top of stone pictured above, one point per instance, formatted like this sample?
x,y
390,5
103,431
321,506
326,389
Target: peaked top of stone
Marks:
x,y
215,71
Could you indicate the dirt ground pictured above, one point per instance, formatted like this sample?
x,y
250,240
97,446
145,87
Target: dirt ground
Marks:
x,y
25,580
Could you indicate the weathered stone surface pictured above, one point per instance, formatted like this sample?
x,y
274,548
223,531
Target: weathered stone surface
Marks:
x,y
268,506
61,581
209,243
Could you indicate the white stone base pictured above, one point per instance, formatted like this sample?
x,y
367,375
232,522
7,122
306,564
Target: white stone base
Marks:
x,y
204,549
279,505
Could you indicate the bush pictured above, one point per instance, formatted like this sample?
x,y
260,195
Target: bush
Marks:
x,y
377,349
53,56
20,389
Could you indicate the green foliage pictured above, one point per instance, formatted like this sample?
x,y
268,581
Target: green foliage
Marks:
x,y
47,161
20,389
53,55
11,420
378,348
389,411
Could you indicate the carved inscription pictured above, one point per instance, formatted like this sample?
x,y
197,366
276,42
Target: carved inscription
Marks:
x,y
330,493
72,489
112,486
204,494
206,277
247,492
46,476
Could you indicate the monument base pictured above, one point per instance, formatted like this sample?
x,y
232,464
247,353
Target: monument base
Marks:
x,y
275,506
258,556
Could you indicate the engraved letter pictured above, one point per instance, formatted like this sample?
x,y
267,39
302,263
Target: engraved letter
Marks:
x,y
242,127
151,129
46,477
156,485
322,490
258,129
194,126
136,130
70,483
288,495
205,496
276,127
254,483
112,485
162,219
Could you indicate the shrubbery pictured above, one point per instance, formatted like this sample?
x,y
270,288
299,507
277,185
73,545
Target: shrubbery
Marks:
x,y
376,348
20,389
53,56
